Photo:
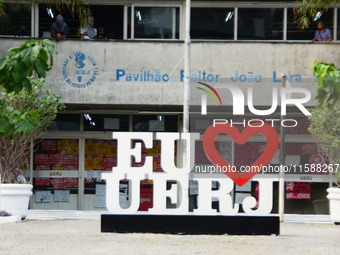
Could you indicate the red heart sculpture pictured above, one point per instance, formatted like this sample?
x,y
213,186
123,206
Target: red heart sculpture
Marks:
x,y
241,138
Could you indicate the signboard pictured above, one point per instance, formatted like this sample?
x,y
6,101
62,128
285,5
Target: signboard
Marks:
x,y
100,202
49,145
43,196
128,148
62,196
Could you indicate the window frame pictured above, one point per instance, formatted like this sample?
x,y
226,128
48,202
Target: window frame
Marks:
x,y
156,5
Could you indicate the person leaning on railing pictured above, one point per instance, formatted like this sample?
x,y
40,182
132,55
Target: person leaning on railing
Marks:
x,y
59,29
90,32
322,34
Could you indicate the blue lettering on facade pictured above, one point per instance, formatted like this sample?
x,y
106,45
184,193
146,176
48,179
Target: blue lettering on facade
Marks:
x,y
250,77
143,75
290,78
202,76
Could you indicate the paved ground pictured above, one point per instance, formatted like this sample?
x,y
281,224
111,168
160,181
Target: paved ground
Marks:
x,y
83,236
95,215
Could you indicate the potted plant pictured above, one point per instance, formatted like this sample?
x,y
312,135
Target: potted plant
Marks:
x,y
325,127
25,113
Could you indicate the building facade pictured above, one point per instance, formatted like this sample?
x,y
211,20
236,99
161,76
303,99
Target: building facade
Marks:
x,y
133,82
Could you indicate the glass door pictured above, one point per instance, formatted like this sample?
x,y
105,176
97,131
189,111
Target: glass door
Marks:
x,y
56,174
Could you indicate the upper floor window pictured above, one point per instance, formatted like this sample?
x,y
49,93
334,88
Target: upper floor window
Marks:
x,y
295,33
16,20
212,23
156,22
260,24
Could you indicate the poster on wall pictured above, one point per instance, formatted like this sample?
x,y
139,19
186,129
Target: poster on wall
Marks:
x,y
73,146
43,196
62,196
298,190
248,153
200,156
49,145
100,155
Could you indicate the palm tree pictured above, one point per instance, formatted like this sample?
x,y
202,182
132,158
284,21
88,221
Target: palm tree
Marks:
x,y
309,9
78,7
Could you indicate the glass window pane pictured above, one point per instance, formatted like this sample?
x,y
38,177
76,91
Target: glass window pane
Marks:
x,y
16,20
295,33
110,18
338,37
260,24
48,15
155,123
106,122
156,22
212,23
66,122
55,191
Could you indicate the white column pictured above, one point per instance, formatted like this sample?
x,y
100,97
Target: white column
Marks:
x,y
235,23
125,22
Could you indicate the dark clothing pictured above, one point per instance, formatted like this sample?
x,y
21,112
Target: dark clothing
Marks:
x,y
63,30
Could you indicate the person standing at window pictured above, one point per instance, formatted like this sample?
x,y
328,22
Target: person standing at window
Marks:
x,y
59,29
90,32
322,34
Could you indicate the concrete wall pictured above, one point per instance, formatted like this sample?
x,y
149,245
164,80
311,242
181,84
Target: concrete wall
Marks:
x,y
221,60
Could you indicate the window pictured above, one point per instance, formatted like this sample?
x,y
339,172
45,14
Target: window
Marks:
x,y
155,123
212,23
260,24
106,122
109,17
66,122
48,15
156,22
16,20
295,33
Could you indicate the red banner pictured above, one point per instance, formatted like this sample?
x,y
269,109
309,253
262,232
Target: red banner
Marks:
x,y
109,162
200,157
43,167
70,183
49,145
56,158
42,159
70,159
248,153
297,190
58,183
42,181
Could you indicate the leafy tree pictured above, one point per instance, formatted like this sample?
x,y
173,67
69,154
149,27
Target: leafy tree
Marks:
x,y
24,117
79,7
16,68
325,118
325,127
308,9
328,77
25,109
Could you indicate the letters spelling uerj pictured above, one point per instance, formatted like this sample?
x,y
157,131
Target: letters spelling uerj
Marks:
x,y
179,191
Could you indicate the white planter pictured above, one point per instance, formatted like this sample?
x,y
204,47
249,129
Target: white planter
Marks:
x,y
334,204
15,198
